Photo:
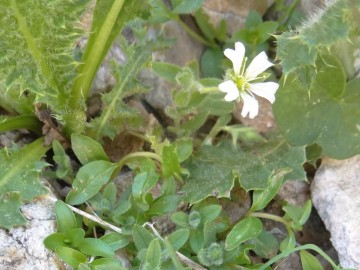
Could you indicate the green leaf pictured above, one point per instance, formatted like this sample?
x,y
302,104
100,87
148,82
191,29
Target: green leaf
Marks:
x,y
317,118
96,247
87,149
212,256
262,197
115,240
178,238
209,212
246,229
141,237
187,6
196,240
45,46
298,214
153,256
56,240
166,70
71,256
289,242
65,217
308,261
109,18
184,149
266,245
117,115
214,169
89,180
10,214
170,163
181,219
313,153
19,180
163,205
29,122
211,63
107,264
63,166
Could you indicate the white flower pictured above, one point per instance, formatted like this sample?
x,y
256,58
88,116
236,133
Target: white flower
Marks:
x,y
244,83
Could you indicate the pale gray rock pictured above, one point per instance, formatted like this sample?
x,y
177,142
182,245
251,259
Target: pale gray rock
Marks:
x,y
335,194
22,247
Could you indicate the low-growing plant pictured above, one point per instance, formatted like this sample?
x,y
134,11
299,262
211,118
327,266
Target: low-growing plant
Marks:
x,y
201,159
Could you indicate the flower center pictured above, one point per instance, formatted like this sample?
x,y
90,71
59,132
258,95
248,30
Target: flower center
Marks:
x,y
240,82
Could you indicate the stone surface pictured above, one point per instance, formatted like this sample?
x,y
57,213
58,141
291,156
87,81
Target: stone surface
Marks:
x,y
184,50
335,194
22,247
234,12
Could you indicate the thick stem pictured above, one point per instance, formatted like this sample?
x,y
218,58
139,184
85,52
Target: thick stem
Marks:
x,y
88,70
154,156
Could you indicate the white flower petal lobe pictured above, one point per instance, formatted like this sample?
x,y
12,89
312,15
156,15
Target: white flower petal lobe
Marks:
x,y
258,65
251,106
266,90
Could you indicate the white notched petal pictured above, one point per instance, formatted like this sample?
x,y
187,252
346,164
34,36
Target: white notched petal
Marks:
x,y
258,65
266,90
250,107
236,56
231,90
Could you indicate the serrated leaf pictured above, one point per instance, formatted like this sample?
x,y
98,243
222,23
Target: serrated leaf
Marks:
x,y
87,149
96,247
71,256
166,70
89,180
10,214
45,46
262,197
117,115
187,6
214,169
246,229
317,118
65,217
20,169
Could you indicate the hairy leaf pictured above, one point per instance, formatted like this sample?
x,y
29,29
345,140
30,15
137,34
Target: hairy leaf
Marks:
x,y
214,169
19,180
36,48
326,113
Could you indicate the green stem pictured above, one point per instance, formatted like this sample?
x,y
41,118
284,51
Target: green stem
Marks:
x,y
154,156
88,70
289,13
29,122
269,216
192,33
287,252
